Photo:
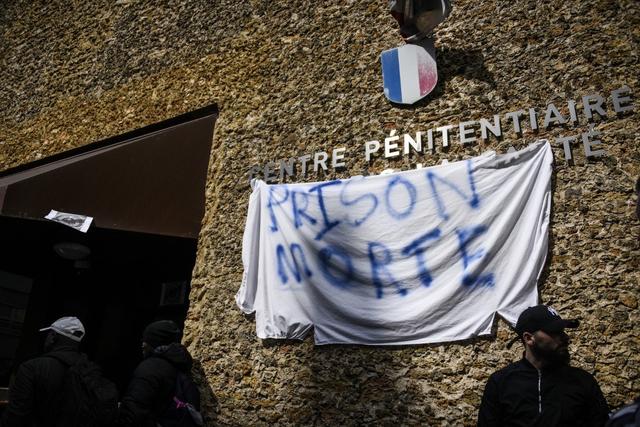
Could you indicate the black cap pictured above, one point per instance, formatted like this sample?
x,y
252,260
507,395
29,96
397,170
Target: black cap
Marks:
x,y
543,318
162,332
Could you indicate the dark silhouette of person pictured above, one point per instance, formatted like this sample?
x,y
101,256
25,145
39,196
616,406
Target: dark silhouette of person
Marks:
x,y
151,390
35,393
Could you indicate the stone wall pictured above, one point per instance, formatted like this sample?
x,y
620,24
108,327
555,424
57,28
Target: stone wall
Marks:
x,y
295,77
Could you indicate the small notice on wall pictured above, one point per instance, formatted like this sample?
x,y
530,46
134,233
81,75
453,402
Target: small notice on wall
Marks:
x,y
79,222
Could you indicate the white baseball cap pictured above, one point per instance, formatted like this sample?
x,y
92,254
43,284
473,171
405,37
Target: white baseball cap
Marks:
x,y
70,327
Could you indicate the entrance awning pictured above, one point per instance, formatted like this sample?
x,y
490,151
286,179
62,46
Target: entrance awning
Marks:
x,y
151,180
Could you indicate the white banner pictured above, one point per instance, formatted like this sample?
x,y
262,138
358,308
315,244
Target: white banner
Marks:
x,y
423,256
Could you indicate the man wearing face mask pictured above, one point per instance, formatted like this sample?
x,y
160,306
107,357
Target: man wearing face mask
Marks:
x,y
542,389
150,399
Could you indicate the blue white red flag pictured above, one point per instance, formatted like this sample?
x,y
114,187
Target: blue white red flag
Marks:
x,y
409,73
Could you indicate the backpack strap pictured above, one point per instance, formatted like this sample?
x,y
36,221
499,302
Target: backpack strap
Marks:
x,y
59,399
65,360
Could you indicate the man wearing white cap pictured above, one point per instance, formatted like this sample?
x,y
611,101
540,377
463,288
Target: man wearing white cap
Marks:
x,y
34,395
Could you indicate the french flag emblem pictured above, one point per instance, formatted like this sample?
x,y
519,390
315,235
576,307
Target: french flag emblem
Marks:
x,y
409,73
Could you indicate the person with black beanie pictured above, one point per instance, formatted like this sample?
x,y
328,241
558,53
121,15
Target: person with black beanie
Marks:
x,y
150,393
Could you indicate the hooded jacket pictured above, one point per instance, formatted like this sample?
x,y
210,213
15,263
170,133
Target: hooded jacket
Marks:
x,y
33,396
521,395
151,389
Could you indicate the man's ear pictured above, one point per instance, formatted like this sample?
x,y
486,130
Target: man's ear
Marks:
x,y
527,337
49,340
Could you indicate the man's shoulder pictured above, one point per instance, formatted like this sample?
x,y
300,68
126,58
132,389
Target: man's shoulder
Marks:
x,y
510,368
580,374
66,357
39,361
578,371
41,366
513,370
154,366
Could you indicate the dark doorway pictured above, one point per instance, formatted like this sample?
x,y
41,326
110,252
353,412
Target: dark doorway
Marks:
x,y
126,281
145,191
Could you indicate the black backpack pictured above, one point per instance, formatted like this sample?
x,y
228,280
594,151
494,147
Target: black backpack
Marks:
x,y
87,399
184,409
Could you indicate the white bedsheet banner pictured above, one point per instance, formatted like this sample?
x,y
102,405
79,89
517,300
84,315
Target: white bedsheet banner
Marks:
x,y
421,256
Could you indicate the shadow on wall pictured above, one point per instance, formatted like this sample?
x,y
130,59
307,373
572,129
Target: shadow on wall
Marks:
x,y
352,385
394,385
546,269
208,402
456,62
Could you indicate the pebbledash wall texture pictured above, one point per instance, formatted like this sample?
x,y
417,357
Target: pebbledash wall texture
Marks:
x,y
295,77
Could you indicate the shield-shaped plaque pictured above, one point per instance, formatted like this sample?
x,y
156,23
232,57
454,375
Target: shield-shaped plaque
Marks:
x,y
409,72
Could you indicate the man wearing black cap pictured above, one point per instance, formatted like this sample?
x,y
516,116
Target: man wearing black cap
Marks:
x,y
152,389
542,389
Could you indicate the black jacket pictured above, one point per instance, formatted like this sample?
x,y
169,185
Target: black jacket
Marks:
x,y
33,396
152,387
520,395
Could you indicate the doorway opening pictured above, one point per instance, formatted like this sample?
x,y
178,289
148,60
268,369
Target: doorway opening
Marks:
x,y
145,191
125,281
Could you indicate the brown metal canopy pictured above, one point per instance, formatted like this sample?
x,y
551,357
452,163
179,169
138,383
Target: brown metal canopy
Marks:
x,y
151,180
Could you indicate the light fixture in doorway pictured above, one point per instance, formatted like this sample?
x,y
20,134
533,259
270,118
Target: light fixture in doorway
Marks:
x,y
72,251
76,252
